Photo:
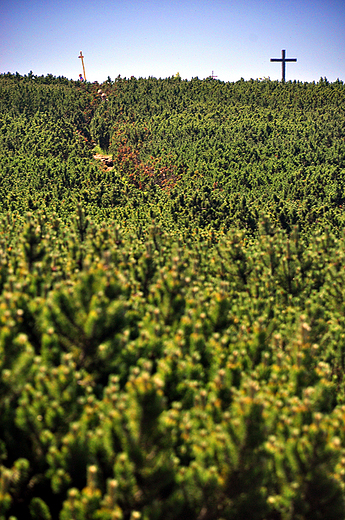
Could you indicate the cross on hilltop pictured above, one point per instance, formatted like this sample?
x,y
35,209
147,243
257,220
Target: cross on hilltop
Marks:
x,y
283,60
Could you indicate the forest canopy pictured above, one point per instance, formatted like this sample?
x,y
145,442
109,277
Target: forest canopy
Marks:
x,y
172,336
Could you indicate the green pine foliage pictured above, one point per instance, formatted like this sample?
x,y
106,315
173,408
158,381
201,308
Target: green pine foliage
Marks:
x,y
172,336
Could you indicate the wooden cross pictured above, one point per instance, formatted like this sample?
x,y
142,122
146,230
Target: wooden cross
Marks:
x,y
82,61
283,60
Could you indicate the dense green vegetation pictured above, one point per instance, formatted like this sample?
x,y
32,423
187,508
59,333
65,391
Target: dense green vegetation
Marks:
x,y
172,340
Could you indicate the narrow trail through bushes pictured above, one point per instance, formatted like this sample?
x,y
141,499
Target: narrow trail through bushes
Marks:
x,y
106,160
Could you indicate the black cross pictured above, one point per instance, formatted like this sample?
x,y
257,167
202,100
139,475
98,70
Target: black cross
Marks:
x,y
283,60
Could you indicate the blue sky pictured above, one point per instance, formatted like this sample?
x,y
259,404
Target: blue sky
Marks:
x,y
233,38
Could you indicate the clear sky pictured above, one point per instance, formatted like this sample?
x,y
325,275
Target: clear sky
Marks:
x,y
142,38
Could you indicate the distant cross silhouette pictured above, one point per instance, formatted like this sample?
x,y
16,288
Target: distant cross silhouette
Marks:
x,y
82,61
213,76
283,60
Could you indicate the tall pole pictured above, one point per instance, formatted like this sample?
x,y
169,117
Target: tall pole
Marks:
x,y
82,61
283,65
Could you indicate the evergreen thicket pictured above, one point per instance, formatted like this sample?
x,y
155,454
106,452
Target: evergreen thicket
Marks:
x,y
172,339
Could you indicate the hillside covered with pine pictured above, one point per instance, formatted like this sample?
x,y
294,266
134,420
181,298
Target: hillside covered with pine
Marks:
x,y
172,319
